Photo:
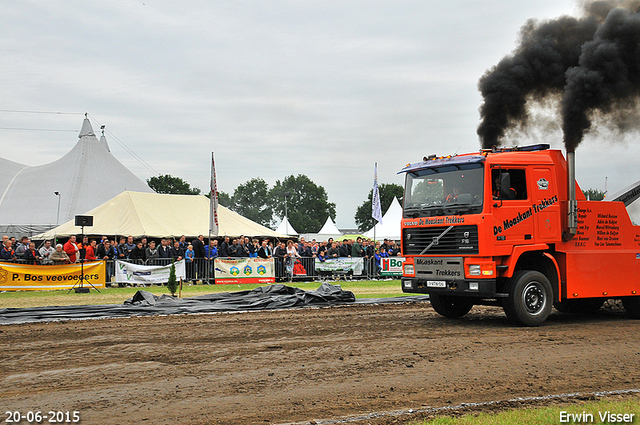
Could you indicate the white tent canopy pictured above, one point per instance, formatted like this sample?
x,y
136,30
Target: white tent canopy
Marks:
x,y
84,178
286,228
390,226
329,230
159,215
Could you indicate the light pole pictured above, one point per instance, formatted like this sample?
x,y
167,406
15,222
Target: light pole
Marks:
x,y
58,215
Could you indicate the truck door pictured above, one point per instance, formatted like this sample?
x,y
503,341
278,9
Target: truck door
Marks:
x,y
512,211
545,204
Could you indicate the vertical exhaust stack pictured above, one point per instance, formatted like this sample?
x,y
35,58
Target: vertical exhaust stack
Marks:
x,y
572,222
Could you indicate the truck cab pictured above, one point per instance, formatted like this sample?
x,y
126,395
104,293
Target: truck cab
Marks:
x,y
492,228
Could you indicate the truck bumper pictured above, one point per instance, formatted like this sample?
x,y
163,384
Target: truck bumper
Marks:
x,y
483,288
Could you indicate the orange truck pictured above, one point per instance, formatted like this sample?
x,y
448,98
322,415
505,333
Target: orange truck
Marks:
x,y
511,227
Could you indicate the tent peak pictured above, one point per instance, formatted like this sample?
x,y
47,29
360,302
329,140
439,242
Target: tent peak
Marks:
x,y
286,228
329,228
103,140
86,130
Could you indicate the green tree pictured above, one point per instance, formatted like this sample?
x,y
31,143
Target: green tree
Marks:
x,y
250,201
363,217
173,185
308,204
172,283
594,194
224,199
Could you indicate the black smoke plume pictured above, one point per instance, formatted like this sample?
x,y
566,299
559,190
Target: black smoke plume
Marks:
x,y
592,63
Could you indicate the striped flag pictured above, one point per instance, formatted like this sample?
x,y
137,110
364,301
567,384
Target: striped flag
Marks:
x,y
213,200
376,209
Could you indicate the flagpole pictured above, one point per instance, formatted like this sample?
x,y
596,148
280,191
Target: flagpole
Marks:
x,y
376,210
213,207
213,200
375,188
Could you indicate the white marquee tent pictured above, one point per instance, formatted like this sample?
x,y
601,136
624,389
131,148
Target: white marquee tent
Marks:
x,y
329,230
159,215
286,228
390,226
84,178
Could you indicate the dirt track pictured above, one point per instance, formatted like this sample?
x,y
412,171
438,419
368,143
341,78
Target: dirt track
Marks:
x,y
300,365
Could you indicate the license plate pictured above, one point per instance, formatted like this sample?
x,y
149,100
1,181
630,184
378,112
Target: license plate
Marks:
x,y
436,284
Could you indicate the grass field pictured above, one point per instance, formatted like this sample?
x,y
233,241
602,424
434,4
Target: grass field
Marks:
x,y
551,415
22,299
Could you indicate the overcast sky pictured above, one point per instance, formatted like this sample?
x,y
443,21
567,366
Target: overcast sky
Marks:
x,y
274,88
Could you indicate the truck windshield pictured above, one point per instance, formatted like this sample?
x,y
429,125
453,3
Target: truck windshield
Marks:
x,y
444,190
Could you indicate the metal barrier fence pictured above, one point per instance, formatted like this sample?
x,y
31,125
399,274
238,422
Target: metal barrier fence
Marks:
x,y
308,270
202,270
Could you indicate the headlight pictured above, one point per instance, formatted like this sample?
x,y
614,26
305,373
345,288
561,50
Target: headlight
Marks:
x,y
477,270
408,269
474,270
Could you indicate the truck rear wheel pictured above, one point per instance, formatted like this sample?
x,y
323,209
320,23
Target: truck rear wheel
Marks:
x,y
632,306
449,306
530,298
581,306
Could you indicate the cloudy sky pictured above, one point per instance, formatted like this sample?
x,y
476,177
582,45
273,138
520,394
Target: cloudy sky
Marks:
x,y
323,88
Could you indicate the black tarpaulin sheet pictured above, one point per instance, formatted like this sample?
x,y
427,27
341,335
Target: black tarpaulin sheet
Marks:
x,y
144,303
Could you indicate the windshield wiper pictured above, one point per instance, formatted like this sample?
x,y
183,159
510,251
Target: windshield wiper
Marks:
x,y
432,209
458,209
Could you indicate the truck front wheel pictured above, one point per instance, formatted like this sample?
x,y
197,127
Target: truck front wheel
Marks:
x,y
530,298
449,306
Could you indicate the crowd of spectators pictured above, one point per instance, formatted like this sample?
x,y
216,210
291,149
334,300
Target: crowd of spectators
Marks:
x,y
197,254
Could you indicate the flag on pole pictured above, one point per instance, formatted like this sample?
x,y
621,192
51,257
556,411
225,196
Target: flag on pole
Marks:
x,y
376,209
213,200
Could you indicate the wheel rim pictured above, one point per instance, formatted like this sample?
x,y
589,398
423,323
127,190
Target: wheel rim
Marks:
x,y
534,298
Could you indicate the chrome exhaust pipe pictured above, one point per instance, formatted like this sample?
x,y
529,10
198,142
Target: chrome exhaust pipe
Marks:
x,y
572,222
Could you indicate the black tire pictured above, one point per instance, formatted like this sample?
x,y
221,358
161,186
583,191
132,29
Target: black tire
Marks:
x,y
581,306
530,298
632,306
449,306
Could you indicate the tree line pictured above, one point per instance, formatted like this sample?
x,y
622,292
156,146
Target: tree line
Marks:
x,y
307,204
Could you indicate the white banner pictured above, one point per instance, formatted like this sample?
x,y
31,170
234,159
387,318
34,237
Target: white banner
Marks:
x,y
391,266
148,275
341,264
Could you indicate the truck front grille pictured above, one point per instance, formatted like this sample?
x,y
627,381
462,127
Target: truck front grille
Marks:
x,y
458,240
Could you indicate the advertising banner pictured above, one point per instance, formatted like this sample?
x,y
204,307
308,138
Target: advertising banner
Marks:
x,y
245,270
391,266
22,277
146,275
343,264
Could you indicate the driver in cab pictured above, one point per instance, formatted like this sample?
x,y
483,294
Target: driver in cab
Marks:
x,y
453,196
